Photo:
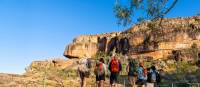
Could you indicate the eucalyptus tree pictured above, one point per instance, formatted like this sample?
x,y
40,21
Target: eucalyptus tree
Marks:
x,y
134,11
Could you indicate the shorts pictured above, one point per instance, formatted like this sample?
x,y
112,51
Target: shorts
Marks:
x,y
84,75
114,78
140,82
100,77
132,79
132,74
150,85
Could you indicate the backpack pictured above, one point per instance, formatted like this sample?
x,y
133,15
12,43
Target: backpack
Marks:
x,y
83,67
99,69
132,68
158,79
89,63
155,76
114,65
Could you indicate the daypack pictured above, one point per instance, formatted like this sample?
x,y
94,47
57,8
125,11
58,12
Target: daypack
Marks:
x,y
89,63
83,67
158,78
155,76
99,69
114,65
132,68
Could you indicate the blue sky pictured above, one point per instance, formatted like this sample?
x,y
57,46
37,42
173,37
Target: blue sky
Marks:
x,y
40,29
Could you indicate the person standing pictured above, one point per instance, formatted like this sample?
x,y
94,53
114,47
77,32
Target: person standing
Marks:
x,y
145,76
114,67
100,71
140,75
84,71
132,72
149,83
153,77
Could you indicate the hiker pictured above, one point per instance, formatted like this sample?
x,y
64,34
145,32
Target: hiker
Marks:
x,y
153,77
140,75
114,67
100,71
132,72
145,76
84,70
148,82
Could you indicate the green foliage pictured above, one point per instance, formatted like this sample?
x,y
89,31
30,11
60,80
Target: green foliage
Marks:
x,y
147,64
123,14
185,75
183,69
147,9
102,55
171,66
152,26
49,72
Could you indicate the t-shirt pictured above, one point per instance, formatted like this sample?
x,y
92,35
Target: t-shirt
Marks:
x,y
104,66
140,72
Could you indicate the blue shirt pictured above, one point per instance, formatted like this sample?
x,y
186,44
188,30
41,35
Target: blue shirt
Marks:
x,y
140,72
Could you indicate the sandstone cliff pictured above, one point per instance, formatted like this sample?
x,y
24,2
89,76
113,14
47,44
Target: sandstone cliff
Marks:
x,y
146,38
174,39
89,45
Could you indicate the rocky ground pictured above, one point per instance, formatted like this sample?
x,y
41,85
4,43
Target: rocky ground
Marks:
x,y
51,76
49,73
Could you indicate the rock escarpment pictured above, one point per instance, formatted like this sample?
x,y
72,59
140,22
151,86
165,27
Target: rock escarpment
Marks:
x,y
89,45
57,63
51,73
146,39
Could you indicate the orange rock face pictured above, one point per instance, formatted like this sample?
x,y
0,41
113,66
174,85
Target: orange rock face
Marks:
x,y
88,45
81,50
175,34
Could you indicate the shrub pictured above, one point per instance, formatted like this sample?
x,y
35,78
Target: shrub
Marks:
x,y
102,55
152,26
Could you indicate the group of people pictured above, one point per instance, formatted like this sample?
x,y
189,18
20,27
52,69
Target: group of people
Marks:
x,y
138,75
